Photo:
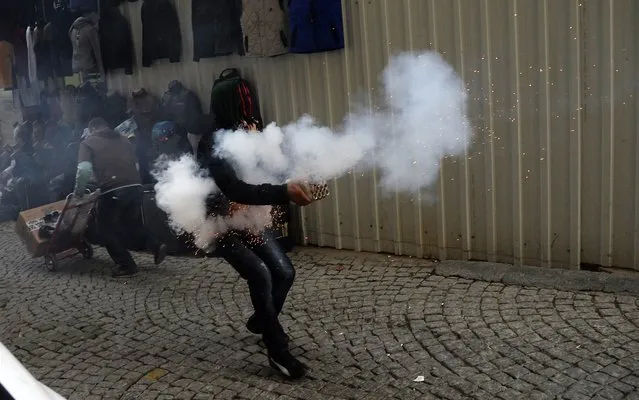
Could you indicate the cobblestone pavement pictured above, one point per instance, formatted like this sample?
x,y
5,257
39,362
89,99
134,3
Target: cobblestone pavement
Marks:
x,y
368,325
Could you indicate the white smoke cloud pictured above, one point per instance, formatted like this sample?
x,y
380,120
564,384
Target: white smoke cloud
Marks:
x,y
424,121
182,190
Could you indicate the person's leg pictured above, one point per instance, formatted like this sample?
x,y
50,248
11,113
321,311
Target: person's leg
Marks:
x,y
281,267
282,274
135,223
110,211
259,280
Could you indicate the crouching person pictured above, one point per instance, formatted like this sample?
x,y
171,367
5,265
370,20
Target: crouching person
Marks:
x,y
111,159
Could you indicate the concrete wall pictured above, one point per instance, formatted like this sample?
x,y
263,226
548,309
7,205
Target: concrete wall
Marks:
x,y
552,176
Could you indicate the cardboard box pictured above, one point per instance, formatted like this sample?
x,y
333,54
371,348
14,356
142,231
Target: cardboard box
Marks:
x,y
28,224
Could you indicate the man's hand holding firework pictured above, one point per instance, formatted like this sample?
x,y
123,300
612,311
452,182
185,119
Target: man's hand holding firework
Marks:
x,y
300,193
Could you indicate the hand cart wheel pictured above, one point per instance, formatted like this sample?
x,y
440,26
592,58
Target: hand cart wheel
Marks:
x,y
87,251
50,262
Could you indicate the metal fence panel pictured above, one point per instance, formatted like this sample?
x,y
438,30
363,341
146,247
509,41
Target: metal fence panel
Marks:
x,y
551,178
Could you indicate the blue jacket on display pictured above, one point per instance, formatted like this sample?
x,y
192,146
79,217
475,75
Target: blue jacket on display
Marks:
x,y
316,25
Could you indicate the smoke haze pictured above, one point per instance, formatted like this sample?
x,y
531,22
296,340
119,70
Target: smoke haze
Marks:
x,y
423,121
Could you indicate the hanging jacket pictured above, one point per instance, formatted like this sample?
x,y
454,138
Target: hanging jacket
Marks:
x,y
31,57
161,37
43,52
20,54
114,3
61,47
264,26
6,65
316,25
115,41
87,56
217,30
21,12
182,107
83,5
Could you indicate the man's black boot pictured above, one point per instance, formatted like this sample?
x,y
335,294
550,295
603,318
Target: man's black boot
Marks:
x,y
160,254
121,271
256,326
287,365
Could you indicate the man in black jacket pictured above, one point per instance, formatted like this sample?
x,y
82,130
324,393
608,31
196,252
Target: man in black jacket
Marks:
x,y
111,159
260,259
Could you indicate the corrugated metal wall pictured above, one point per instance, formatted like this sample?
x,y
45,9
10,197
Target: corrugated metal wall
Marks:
x,y
552,176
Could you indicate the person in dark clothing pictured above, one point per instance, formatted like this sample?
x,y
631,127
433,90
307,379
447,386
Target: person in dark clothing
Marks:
x,y
115,41
183,107
24,164
111,158
145,109
44,152
24,177
201,139
161,37
167,141
64,183
115,109
90,103
259,259
217,29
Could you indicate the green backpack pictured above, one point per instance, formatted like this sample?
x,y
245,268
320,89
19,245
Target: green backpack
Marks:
x,y
233,101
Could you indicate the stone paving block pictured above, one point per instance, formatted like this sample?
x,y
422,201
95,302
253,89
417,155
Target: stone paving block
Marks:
x,y
573,395
368,329
611,393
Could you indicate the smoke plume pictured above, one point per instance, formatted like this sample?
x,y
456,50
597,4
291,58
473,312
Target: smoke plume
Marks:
x,y
182,190
423,119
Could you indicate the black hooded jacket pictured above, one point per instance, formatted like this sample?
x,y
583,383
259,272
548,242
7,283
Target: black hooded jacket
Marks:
x,y
234,189
161,37
217,28
115,41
